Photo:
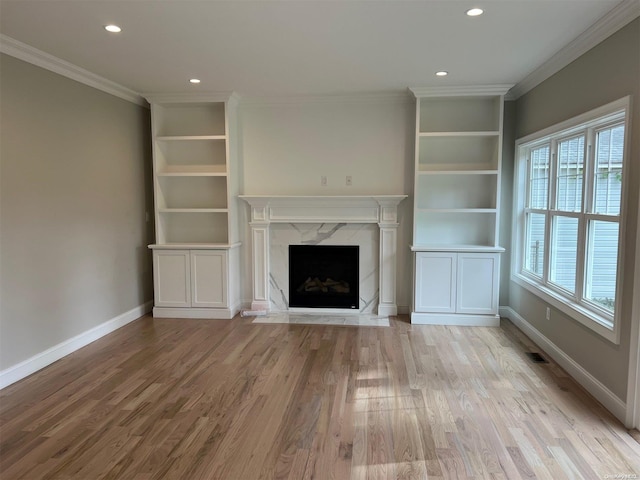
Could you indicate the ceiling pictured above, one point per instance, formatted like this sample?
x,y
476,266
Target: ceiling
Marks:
x,y
298,47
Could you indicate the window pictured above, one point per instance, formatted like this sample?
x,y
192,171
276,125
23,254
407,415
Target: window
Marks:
x,y
569,190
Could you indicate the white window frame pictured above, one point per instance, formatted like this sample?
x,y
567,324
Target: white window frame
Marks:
x,y
572,304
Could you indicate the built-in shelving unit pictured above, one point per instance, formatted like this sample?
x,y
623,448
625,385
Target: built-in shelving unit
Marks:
x,y
195,190
456,196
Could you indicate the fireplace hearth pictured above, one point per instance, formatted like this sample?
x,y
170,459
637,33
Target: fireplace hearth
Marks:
x,y
324,276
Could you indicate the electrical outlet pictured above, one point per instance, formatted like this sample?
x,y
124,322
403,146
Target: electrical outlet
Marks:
x,y
348,181
548,313
323,181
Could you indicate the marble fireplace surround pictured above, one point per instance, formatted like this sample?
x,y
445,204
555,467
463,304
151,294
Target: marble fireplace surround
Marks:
x,y
352,209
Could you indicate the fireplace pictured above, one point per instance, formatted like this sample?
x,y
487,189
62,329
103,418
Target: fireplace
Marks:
x,y
270,211
324,276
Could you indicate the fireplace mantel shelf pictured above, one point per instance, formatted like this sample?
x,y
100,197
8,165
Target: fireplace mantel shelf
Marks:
x,y
323,197
380,209
377,209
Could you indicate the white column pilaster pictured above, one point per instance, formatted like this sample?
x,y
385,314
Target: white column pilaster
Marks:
x,y
260,256
388,257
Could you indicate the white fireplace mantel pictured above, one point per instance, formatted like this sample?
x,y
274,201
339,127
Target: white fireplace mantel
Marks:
x,y
379,209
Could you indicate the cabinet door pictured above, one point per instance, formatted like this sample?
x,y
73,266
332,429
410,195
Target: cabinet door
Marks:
x,y
209,278
478,283
171,278
435,282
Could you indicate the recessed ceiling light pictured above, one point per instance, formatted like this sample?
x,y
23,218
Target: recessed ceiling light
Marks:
x,y
195,80
442,73
113,28
474,12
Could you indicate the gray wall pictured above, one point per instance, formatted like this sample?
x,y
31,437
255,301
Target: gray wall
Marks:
x,y
609,71
75,173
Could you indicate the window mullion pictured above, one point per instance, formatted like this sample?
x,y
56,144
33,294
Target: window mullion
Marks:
x,y
527,185
587,206
581,256
553,175
551,205
589,176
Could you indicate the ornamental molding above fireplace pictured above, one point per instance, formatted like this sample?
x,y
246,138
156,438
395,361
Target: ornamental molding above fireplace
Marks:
x,y
324,209
356,209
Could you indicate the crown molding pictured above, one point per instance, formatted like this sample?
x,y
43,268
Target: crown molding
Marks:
x,y
622,14
366,97
230,97
452,91
29,54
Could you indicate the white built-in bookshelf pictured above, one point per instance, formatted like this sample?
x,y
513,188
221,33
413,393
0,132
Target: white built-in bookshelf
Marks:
x,y
193,160
196,259
458,156
458,152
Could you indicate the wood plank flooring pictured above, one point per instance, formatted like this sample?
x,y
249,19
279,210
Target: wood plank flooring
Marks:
x,y
199,399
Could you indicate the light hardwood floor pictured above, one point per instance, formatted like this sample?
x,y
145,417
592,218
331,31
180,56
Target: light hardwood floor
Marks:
x,y
198,399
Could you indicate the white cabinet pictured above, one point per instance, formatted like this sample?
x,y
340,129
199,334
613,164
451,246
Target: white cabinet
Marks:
x,y
195,283
196,259
435,282
477,283
458,288
172,280
209,279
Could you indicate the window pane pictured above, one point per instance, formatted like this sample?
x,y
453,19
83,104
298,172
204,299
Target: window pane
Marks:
x,y
570,171
539,178
564,252
608,186
534,248
602,262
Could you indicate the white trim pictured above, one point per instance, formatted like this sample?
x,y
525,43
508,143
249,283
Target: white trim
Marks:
x,y
596,388
200,313
622,14
477,90
381,209
418,318
456,248
55,353
388,310
191,98
363,97
194,246
32,55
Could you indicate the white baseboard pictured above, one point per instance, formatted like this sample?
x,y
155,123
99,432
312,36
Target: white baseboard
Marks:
x,y
260,305
611,401
201,313
455,319
387,310
55,353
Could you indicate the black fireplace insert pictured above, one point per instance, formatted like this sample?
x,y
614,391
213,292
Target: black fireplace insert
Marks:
x,y
324,276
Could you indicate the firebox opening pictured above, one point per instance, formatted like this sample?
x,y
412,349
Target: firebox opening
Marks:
x,y
324,276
